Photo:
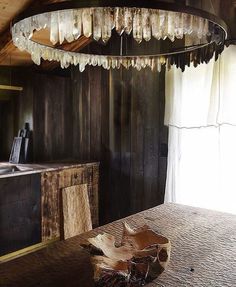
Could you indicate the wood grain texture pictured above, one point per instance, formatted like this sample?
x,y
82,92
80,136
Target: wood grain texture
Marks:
x,y
203,252
121,125
50,206
20,224
76,211
53,182
99,115
52,118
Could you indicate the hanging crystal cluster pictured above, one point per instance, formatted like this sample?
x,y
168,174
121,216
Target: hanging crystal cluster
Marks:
x,y
98,23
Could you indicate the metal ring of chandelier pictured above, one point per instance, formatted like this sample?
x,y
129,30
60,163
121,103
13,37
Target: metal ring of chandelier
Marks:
x,y
143,20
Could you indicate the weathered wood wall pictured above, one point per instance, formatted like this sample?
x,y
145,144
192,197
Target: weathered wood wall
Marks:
x,y
115,117
20,210
120,123
6,127
16,108
52,117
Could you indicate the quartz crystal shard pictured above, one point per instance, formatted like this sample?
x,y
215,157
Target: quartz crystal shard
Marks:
x,y
69,25
94,60
179,25
35,56
81,67
108,24
155,23
137,26
171,26
77,23
146,24
158,65
27,28
195,26
97,23
87,22
200,25
114,63
105,63
119,20
205,28
187,23
41,21
128,20
163,16
62,26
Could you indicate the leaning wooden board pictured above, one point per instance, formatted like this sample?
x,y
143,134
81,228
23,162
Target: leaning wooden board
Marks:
x,y
76,211
203,252
52,183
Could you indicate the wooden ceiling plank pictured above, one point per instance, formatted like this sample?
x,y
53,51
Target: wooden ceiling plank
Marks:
x,y
9,10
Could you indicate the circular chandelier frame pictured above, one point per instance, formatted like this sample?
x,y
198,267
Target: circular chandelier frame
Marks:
x,y
180,57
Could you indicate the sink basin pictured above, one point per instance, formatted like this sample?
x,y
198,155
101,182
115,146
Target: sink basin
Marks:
x,y
8,169
12,169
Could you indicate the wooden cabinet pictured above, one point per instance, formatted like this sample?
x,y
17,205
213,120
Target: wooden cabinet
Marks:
x,y
30,205
52,183
19,212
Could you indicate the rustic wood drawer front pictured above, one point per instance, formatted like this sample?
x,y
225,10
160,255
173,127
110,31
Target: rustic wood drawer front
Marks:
x,y
51,185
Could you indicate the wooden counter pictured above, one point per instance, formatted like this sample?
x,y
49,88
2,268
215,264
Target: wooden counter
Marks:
x,y
203,252
34,168
31,205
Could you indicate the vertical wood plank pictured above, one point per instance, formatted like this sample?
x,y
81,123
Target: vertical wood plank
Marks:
x,y
85,117
76,83
125,185
95,82
115,142
151,140
137,143
52,118
50,206
163,139
104,192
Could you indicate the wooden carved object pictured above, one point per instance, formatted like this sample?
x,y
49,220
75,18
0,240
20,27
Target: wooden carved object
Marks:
x,y
140,258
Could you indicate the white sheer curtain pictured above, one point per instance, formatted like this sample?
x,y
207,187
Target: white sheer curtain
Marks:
x,y
201,115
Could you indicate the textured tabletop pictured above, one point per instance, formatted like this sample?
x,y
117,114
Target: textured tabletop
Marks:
x,y
203,252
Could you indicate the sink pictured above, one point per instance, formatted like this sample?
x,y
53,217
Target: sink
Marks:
x,y
8,169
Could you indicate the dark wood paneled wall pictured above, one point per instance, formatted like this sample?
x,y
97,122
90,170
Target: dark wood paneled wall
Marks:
x,y
119,121
115,117
19,212
52,117
16,108
6,128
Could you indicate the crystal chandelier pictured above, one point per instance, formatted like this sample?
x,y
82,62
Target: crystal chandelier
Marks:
x,y
139,20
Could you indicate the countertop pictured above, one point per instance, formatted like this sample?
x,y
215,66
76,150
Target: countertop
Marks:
x,y
33,168
203,252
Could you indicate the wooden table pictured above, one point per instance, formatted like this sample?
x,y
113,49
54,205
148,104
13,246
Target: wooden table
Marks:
x,y
203,252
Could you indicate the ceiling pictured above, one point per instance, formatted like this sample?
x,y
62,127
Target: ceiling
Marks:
x,y
9,9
